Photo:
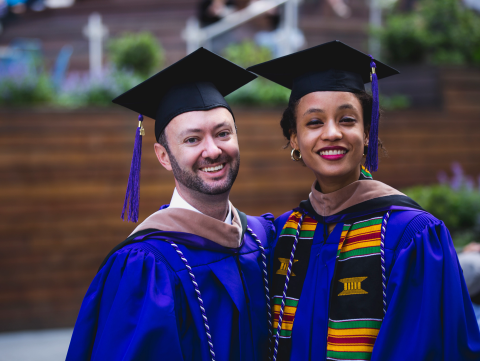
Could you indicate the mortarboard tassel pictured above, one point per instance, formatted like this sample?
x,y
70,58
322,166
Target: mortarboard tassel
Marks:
x,y
132,196
371,163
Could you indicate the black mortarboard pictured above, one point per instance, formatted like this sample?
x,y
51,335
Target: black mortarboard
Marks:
x,y
333,66
199,81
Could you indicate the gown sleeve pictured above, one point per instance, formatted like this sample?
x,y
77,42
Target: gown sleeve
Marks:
x,y
429,313
128,312
267,221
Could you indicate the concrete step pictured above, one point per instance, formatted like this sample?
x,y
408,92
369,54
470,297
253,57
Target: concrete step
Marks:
x,y
44,345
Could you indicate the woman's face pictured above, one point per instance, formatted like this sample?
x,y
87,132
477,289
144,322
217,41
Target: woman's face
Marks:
x,y
330,136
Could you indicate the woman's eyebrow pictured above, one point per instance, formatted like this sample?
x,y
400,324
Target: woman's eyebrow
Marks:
x,y
346,106
313,110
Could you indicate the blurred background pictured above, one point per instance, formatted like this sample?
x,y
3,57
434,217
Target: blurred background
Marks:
x,y
65,150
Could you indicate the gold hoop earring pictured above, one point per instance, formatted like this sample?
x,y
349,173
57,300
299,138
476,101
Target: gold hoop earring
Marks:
x,y
294,156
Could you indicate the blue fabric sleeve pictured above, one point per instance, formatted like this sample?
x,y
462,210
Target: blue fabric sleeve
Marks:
x,y
429,312
128,312
267,223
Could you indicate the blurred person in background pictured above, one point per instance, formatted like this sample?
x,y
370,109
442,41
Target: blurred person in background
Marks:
x,y
211,11
469,260
17,6
360,271
21,6
340,8
190,282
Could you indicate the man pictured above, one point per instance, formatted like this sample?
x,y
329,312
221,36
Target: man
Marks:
x,y
190,282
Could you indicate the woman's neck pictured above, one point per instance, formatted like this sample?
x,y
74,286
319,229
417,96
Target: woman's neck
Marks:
x,y
332,184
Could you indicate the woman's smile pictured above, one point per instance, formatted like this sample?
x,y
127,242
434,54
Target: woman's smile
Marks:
x,y
333,153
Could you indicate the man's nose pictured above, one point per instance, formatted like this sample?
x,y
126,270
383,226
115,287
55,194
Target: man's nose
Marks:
x,y
211,149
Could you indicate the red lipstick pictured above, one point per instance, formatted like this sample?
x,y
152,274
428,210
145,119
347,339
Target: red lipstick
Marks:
x,y
332,153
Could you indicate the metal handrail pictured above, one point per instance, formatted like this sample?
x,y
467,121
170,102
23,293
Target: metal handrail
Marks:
x,y
195,36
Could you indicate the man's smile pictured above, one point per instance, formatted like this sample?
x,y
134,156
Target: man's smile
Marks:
x,y
212,168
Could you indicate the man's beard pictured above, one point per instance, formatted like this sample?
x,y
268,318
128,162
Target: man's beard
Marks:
x,y
193,181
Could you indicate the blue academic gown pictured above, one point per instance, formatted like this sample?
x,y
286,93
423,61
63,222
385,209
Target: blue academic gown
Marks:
x,y
429,313
142,304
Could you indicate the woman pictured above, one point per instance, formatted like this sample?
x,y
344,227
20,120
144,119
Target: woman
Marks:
x,y
360,270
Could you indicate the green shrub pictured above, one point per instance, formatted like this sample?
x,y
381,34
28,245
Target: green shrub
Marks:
x,y
453,31
403,38
26,90
437,32
247,53
394,102
81,91
140,53
458,209
260,91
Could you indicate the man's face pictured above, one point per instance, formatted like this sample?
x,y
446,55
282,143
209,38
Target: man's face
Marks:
x,y
202,150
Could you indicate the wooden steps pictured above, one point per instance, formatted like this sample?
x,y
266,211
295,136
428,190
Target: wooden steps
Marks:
x,y
166,19
461,88
63,173
63,176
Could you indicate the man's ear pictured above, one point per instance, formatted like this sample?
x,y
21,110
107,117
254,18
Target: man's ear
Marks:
x,y
293,140
162,156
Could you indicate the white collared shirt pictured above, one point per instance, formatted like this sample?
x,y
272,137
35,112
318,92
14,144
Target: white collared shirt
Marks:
x,y
178,202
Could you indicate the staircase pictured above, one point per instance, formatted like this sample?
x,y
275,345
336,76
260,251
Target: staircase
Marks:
x,y
55,28
166,19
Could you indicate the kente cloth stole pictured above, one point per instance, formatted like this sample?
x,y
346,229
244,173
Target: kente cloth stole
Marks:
x,y
356,309
356,312
283,250
365,174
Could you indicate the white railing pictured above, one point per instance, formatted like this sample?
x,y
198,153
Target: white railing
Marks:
x,y
288,37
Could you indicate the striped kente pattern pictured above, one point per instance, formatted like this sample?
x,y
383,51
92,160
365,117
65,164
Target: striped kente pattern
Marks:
x,y
307,231
365,174
354,339
361,239
288,315
308,226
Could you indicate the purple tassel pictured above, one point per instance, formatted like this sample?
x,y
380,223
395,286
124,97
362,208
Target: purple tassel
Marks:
x,y
371,163
132,196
